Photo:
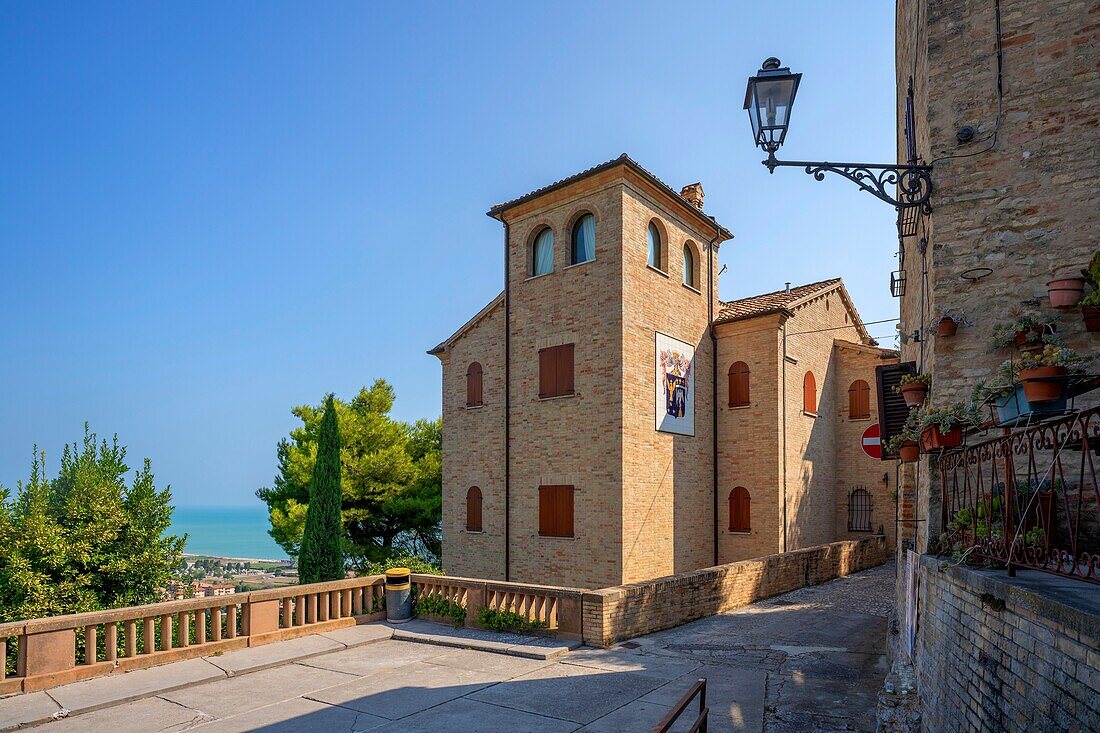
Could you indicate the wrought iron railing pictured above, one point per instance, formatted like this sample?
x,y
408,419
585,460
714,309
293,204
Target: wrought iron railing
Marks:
x,y
1028,498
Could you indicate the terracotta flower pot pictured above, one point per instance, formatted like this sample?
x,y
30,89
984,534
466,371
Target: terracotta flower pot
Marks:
x,y
1065,292
1091,314
1044,384
1029,339
947,327
933,438
909,452
914,393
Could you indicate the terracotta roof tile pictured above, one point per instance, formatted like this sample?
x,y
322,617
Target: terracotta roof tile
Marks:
x,y
769,302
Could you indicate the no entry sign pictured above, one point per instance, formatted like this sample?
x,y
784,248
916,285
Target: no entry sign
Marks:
x,y
872,445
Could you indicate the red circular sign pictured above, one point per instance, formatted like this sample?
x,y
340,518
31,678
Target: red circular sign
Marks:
x,y
872,446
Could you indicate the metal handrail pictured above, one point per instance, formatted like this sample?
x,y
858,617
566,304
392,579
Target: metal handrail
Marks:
x,y
700,724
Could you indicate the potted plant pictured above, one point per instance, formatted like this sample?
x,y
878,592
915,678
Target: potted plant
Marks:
x,y
1090,305
1043,374
1026,332
947,324
943,427
1065,292
904,445
914,388
1005,395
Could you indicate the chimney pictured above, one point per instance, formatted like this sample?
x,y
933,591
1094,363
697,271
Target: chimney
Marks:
x,y
693,193
788,288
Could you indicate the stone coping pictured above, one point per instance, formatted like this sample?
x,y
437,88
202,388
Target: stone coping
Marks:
x,y
1071,603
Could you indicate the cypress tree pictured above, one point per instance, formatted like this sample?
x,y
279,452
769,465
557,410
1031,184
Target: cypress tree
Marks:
x,y
321,557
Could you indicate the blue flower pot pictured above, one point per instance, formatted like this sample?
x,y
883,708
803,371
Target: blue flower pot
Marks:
x,y
1014,409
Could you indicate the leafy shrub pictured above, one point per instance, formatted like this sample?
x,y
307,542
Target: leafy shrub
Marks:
x,y
506,621
435,605
413,563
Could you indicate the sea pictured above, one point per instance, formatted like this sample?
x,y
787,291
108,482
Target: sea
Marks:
x,y
233,531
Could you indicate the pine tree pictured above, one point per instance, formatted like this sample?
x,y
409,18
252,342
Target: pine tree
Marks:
x,y
321,557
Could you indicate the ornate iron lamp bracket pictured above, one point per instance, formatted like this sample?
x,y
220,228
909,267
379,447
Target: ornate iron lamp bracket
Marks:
x,y
914,182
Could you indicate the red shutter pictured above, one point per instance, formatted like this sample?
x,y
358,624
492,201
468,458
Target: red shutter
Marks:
x,y
556,371
809,393
547,379
473,385
565,371
473,509
739,510
739,384
859,400
556,511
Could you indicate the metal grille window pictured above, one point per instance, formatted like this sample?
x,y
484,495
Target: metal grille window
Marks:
x,y
859,510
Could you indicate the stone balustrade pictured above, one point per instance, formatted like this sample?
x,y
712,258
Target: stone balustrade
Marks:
x,y
61,649
555,609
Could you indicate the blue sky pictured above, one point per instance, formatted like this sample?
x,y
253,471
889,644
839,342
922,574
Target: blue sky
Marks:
x,y
211,212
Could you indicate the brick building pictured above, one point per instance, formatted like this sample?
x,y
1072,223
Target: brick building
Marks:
x,y
581,441
1000,97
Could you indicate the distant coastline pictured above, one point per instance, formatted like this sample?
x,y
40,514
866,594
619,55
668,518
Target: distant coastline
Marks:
x,y
227,532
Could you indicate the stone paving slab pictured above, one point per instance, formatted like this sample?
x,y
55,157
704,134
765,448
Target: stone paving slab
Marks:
x,y
501,666
358,635
735,696
296,716
570,692
148,714
235,695
22,709
627,660
534,647
405,690
641,717
375,658
464,714
252,659
115,689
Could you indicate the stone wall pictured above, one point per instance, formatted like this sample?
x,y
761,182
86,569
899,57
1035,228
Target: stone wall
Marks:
x,y
1007,654
623,612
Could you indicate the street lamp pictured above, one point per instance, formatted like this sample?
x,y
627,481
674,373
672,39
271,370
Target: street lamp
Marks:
x,y
769,98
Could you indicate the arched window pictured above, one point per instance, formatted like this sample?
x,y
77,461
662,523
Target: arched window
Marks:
x,y
739,510
689,266
473,509
473,385
859,510
809,394
542,253
859,400
654,237
739,384
584,240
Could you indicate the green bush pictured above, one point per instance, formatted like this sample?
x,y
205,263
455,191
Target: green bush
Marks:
x,y
440,606
506,621
414,564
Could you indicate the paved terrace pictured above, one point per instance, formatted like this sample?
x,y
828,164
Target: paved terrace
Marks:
x,y
809,660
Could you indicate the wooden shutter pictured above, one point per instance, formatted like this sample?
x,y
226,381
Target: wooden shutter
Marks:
x,y
809,393
859,400
473,509
556,511
556,371
473,385
892,410
739,510
739,384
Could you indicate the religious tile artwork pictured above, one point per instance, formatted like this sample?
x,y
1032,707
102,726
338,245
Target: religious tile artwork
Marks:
x,y
674,385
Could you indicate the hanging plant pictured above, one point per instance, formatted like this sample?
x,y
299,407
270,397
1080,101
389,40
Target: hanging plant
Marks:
x,y
943,427
1043,375
914,388
905,444
947,323
1090,305
1026,332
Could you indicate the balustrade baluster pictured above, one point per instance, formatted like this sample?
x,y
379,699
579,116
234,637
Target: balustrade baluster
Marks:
x,y
131,637
149,640
166,632
110,641
231,621
286,611
216,623
183,626
89,644
200,626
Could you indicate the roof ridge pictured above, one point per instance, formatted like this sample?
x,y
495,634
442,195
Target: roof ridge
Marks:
x,y
819,283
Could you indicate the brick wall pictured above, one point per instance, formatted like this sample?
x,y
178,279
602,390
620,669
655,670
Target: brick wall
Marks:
x,y
613,614
473,451
1007,654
